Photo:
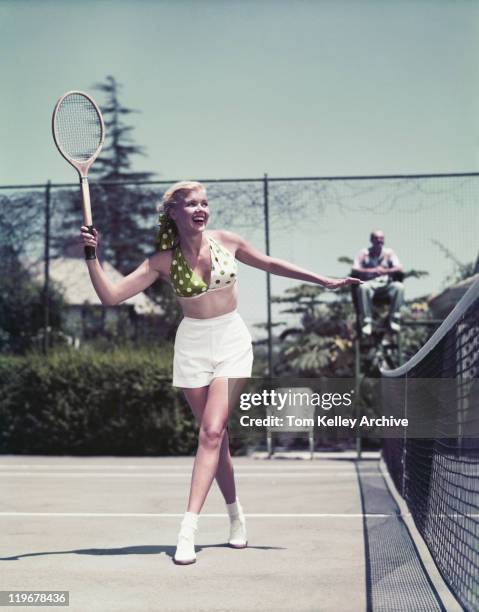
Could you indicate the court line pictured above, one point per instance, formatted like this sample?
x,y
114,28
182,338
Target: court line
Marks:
x,y
178,515
72,466
257,515
177,475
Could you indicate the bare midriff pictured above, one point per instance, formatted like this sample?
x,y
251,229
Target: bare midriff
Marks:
x,y
210,304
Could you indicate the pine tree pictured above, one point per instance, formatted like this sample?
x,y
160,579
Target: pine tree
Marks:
x,y
114,162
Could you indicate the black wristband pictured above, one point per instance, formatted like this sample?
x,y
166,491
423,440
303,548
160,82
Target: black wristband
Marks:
x,y
90,252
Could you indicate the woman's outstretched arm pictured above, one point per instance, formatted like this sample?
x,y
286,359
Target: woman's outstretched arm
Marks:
x,y
252,257
114,293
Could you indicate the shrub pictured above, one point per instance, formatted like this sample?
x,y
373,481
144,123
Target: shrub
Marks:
x,y
89,402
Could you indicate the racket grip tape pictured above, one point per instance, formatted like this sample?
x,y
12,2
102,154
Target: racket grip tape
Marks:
x,y
90,252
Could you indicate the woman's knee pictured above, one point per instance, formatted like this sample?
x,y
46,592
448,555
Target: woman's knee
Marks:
x,y
211,434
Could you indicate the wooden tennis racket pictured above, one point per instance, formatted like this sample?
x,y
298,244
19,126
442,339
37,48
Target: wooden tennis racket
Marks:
x,y
79,132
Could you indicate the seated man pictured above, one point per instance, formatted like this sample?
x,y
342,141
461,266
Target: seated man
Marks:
x,y
377,266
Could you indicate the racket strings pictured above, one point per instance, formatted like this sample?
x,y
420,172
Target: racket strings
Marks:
x,y
78,127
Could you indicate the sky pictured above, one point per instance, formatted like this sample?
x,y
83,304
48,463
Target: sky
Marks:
x,y
231,89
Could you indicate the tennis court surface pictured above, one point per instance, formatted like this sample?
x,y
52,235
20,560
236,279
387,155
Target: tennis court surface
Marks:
x,y
323,535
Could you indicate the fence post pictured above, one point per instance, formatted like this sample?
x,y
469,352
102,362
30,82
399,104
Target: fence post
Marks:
x,y
268,276
46,284
357,390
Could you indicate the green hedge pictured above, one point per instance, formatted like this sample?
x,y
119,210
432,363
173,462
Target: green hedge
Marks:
x,y
90,402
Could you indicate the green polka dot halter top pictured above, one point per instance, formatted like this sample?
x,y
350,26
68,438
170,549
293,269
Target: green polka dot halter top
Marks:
x,y
188,284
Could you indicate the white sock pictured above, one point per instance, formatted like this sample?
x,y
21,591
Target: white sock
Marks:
x,y
190,519
234,509
185,549
238,537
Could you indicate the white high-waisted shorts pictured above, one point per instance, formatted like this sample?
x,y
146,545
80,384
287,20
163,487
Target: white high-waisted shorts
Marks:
x,y
210,348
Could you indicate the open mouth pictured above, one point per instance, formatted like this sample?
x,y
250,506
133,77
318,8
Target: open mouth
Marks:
x,y
199,219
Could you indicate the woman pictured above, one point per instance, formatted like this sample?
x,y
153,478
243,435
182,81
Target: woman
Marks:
x,y
212,342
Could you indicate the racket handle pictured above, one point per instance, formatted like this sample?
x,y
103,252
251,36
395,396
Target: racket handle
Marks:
x,y
90,252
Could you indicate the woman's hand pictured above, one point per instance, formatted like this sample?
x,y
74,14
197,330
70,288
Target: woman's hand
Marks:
x,y
336,283
87,238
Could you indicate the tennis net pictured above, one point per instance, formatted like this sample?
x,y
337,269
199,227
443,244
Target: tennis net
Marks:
x,y
439,477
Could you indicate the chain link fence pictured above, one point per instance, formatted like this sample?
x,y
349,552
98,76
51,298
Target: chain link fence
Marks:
x,y
318,223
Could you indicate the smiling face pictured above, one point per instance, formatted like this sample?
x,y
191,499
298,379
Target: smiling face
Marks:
x,y
191,212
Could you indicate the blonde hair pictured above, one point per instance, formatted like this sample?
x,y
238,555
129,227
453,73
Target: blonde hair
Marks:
x,y
176,192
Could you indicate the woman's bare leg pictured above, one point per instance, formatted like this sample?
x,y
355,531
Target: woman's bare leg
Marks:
x,y
225,472
212,436
225,475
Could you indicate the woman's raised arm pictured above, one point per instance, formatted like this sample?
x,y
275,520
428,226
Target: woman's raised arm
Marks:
x,y
113,293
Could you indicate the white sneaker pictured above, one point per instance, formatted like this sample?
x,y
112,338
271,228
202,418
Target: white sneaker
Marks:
x,y
394,326
238,537
185,549
367,329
